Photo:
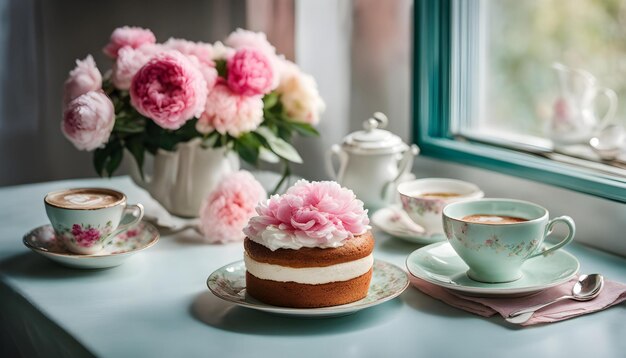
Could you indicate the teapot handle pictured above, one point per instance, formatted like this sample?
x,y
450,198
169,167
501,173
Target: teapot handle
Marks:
x,y
610,113
335,151
404,166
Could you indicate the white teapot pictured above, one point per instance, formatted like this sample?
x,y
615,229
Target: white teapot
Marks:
x,y
371,162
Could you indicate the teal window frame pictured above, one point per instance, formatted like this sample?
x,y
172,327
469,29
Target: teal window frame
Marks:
x,y
431,113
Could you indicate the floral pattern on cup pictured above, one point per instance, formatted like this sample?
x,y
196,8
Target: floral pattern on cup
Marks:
x,y
422,206
494,242
86,235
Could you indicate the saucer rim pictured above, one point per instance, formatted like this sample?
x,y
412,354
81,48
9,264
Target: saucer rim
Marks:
x,y
147,225
415,239
491,291
338,310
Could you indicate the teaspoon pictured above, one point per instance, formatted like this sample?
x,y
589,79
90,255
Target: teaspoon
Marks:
x,y
587,288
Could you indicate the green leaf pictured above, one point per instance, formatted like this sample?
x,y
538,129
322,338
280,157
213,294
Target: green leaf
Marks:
x,y
267,155
305,129
100,156
270,100
247,153
220,66
279,146
136,148
115,159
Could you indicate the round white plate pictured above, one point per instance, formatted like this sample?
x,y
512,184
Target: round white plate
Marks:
x,y
43,241
395,222
229,283
439,264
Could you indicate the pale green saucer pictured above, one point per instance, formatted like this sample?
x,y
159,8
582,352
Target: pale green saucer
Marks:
x,y
229,284
439,264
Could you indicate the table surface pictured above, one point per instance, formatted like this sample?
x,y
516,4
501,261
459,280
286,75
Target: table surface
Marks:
x,y
157,304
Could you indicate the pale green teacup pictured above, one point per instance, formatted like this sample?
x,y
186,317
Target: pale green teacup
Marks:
x,y
496,236
86,219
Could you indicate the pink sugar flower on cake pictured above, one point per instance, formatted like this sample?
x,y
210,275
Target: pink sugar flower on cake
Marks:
x,y
85,77
229,112
128,36
169,89
309,214
88,120
250,72
229,207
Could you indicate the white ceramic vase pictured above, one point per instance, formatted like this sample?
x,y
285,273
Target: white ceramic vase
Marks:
x,y
182,179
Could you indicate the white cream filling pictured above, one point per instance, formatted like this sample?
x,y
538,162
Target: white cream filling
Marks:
x,y
309,275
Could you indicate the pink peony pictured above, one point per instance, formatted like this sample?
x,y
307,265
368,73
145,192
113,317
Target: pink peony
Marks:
x,y
169,90
129,61
88,120
299,95
229,207
133,37
221,51
242,39
247,39
84,78
317,214
250,72
200,54
228,112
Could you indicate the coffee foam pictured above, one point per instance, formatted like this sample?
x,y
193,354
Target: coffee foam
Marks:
x,y
493,219
84,198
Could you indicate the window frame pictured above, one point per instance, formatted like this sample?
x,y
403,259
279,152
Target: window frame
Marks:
x,y
432,113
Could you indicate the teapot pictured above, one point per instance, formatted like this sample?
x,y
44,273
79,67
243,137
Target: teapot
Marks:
x,y
575,119
371,162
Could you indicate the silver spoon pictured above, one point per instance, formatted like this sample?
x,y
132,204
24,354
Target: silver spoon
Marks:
x,y
587,288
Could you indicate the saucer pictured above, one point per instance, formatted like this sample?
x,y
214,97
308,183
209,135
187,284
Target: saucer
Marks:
x,y
42,240
395,222
229,284
439,264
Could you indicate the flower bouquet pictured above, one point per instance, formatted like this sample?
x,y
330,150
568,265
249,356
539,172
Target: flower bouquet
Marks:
x,y
238,95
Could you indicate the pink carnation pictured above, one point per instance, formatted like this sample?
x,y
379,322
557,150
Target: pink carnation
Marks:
x,y
129,61
84,78
250,72
88,120
228,112
132,37
229,207
169,90
317,214
200,54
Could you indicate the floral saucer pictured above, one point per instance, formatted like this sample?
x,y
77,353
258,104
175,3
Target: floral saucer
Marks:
x,y
439,264
395,222
43,241
229,284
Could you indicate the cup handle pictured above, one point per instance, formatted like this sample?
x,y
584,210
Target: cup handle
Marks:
x,y
132,215
570,235
610,113
334,151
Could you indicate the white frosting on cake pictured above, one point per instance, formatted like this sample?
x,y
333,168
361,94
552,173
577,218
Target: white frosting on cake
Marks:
x,y
309,275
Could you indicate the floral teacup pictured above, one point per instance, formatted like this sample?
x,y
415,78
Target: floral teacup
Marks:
x,y
424,199
496,236
85,219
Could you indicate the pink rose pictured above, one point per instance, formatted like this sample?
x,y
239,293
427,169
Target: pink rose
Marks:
x,y
129,61
317,214
250,72
200,54
221,51
88,120
84,78
299,95
169,90
228,112
229,207
132,37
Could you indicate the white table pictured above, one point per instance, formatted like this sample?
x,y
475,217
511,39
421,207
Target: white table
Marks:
x,y
157,305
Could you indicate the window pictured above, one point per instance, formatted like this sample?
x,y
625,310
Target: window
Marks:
x,y
521,87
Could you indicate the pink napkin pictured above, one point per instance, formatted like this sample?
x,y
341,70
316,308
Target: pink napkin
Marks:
x,y
613,293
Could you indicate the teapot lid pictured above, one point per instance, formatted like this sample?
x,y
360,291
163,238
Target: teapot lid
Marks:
x,y
373,139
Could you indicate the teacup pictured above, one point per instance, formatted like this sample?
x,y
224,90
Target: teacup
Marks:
x,y
496,236
424,199
86,219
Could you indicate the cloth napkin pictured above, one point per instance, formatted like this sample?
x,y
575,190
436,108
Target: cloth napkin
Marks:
x,y
613,293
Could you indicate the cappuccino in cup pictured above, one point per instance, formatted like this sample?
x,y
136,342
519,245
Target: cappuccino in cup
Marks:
x,y
88,198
